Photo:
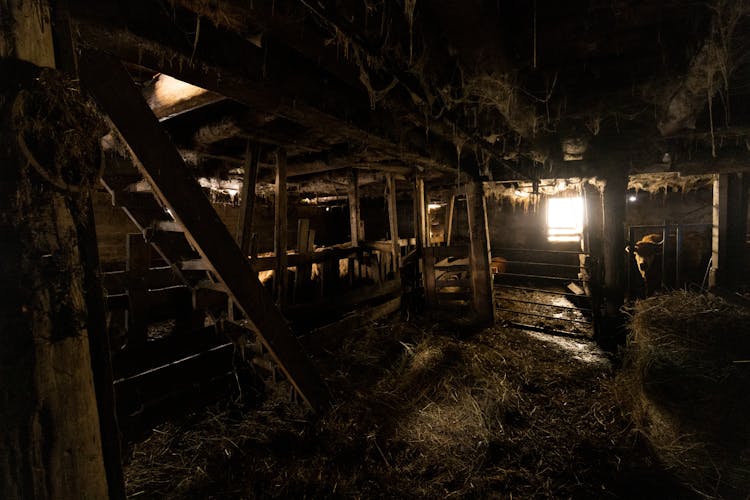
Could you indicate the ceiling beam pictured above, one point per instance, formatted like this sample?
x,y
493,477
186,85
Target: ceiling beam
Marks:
x,y
267,82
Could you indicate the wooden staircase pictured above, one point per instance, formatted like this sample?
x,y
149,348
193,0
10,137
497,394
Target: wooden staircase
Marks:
x,y
183,227
167,237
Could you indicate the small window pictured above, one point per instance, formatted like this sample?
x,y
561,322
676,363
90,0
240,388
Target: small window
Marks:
x,y
564,219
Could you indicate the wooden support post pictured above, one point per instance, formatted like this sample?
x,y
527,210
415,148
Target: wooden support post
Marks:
x,y
26,32
393,221
303,235
245,223
427,218
355,219
613,240
96,325
304,247
592,245
281,275
99,346
479,255
449,220
422,213
137,265
729,229
161,164
430,288
50,446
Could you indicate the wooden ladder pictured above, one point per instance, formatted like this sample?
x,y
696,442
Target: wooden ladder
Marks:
x,y
195,222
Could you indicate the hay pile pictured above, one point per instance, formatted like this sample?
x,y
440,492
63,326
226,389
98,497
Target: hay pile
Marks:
x,y
685,380
419,412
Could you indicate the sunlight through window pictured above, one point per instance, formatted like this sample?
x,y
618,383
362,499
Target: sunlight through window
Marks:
x,y
564,219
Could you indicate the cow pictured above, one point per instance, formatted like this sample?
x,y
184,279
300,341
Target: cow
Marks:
x,y
647,252
498,265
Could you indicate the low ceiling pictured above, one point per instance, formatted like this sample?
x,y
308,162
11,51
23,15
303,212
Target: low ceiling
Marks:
x,y
501,89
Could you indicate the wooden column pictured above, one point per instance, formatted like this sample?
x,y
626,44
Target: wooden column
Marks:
x,y
592,245
355,219
729,230
96,324
426,216
449,220
280,235
421,207
101,363
26,33
393,220
305,247
245,223
613,240
50,444
479,255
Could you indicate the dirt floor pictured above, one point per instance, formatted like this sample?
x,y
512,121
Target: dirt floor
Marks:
x,y
419,412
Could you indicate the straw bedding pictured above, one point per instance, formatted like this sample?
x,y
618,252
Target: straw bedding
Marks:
x,y
685,381
420,412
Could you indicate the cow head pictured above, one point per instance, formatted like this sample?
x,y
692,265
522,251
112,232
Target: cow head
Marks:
x,y
645,252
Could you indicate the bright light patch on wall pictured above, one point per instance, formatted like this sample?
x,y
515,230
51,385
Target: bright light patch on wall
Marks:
x,y
169,91
564,219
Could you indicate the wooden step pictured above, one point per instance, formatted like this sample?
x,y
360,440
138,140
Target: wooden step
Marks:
x,y
194,265
453,283
169,226
120,182
452,268
142,209
174,247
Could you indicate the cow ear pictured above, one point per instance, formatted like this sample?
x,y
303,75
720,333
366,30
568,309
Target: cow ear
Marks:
x,y
627,249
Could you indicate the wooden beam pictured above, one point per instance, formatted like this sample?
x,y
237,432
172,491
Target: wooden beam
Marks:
x,y
303,235
305,245
98,335
613,240
421,215
51,446
393,219
729,230
449,220
281,275
268,83
99,347
26,32
355,221
245,223
430,285
479,255
288,25
167,173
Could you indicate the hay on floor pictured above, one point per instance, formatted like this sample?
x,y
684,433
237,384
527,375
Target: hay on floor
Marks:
x,y
685,381
419,412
